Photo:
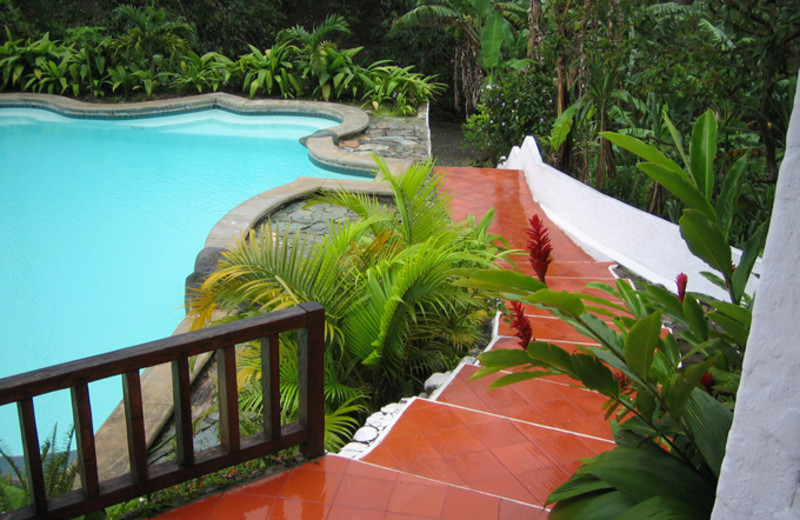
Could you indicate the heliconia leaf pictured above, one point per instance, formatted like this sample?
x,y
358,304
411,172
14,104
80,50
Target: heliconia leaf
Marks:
x,y
702,151
641,343
665,300
680,186
577,485
705,241
504,358
662,508
735,329
646,472
565,302
676,138
750,254
501,280
516,377
594,374
735,312
729,195
645,403
644,150
680,387
551,356
631,299
695,318
709,421
592,506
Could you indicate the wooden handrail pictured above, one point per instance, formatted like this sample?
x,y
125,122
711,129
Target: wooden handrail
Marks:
x,y
308,432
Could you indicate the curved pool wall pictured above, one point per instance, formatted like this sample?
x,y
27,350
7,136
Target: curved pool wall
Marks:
x,y
351,122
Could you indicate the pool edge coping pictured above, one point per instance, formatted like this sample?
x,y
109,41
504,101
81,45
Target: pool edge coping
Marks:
x,y
322,145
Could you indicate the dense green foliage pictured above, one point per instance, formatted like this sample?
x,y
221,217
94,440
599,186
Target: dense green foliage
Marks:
x,y
149,53
619,65
392,315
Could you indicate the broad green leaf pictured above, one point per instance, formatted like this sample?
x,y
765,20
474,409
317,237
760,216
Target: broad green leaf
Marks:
x,y
665,300
516,377
695,318
551,356
732,327
705,241
577,485
645,403
645,151
594,506
504,358
678,390
729,195
500,280
643,473
565,302
679,186
702,151
709,421
734,312
598,330
562,126
641,343
595,375
750,254
631,299
492,38
676,138
662,508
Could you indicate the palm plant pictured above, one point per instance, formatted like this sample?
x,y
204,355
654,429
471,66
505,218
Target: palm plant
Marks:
x,y
150,34
59,473
392,315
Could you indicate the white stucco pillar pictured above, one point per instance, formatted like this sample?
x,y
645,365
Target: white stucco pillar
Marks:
x,y
761,471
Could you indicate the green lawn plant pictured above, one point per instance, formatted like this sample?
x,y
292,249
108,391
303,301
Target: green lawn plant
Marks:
x,y
384,278
670,392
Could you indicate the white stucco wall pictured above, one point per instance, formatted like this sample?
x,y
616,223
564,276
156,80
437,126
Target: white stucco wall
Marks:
x,y
761,471
609,229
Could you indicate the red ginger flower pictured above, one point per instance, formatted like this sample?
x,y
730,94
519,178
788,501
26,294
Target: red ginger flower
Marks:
x,y
707,380
623,380
681,280
539,247
521,324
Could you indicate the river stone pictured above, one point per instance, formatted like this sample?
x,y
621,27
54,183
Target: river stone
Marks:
x,y
366,434
435,381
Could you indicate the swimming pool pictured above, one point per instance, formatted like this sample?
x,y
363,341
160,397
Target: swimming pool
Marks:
x,y
100,222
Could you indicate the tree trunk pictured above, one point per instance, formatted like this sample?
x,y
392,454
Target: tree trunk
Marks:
x,y
535,32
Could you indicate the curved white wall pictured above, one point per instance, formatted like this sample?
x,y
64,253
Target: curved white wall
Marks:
x,y
761,471
609,229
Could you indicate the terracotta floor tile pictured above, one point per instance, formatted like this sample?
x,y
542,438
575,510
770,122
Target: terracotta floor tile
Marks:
x,y
410,449
241,506
509,487
436,469
351,513
285,509
461,504
454,441
316,486
510,510
364,493
416,498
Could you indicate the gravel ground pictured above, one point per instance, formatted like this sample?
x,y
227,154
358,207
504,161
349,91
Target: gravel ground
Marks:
x,y
449,146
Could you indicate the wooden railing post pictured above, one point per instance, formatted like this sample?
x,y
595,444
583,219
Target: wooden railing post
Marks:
x,y
311,361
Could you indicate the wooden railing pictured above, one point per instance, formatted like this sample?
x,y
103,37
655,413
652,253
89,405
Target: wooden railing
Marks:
x,y
93,494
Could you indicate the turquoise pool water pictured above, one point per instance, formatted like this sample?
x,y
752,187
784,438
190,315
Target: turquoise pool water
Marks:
x,y
100,222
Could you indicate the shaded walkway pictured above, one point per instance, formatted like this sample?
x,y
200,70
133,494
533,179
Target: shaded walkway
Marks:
x,y
470,452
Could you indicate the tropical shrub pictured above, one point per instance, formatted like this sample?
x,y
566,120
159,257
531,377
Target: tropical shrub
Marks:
x,y
513,105
392,315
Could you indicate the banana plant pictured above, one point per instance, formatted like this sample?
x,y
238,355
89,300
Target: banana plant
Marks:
x,y
705,223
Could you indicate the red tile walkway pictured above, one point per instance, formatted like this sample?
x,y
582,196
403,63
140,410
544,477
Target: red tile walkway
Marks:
x,y
472,452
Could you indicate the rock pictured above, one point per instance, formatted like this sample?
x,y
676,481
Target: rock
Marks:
x,y
366,434
377,420
393,408
435,381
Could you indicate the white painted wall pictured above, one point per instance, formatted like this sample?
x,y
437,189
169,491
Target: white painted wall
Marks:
x,y
609,229
761,471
